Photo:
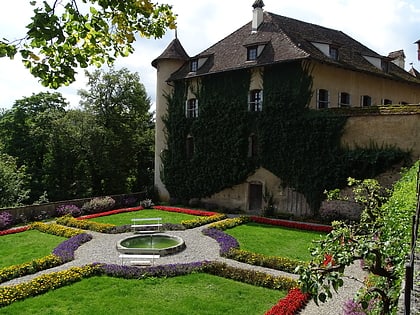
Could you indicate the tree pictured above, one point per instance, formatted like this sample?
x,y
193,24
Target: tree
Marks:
x,y
380,240
13,181
121,152
72,33
26,132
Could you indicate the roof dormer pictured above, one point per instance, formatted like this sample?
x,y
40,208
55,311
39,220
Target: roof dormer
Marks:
x,y
327,49
197,63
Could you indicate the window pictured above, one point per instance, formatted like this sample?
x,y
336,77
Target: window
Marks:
x,y
252,146
366,100
334,53
191,108
323,98
386,101
252,53
194,65
344,99
255,101
189,147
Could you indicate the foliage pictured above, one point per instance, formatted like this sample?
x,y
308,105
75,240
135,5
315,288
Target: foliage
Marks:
x,y
72,210
26,132
299,145
226,242
98,204
70,34
6,220
291,304
13,182
111,212
381,239
229,223
121,155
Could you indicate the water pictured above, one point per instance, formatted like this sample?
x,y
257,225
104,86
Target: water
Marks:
x,y
150,241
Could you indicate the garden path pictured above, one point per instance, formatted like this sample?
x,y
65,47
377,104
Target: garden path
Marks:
x,y
102,249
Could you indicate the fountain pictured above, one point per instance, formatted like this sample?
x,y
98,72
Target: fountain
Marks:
x,y
151,244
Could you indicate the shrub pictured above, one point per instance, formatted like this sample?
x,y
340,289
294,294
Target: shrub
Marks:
x,y
98,204
6,220
72,210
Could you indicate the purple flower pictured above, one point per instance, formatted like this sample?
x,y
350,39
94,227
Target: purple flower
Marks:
x,y
170,270
66,249
226,241
6,220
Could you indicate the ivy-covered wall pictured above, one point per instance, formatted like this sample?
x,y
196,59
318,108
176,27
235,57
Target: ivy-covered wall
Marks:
x,y
299,145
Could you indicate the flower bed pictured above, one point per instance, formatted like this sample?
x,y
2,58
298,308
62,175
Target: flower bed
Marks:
x,y
63,253
189,224
186,211
54,280
85,225
292,224
14,230
291,304
111,212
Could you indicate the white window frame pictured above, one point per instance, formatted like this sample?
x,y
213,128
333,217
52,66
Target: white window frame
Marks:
x,y
324,102
365,99
255,100
191,108
340,99
194,65
251,53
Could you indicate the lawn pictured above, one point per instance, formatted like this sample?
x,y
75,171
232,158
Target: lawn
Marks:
x,y
125,217
274,240
23,247
196,293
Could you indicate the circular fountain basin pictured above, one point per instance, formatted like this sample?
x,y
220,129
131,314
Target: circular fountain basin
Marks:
x,y
156,244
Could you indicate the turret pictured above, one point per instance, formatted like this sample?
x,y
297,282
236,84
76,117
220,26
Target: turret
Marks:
x,y
167,63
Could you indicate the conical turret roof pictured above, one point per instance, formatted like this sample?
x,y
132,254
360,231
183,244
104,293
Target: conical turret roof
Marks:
x,y
173,51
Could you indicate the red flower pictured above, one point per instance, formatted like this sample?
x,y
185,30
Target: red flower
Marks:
x,y
14,230
186,211
291,304
328,260
293,224
102,214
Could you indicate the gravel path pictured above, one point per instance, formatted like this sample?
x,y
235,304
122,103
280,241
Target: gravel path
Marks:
x,y
102,249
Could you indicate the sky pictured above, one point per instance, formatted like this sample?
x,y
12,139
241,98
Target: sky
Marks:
x,y
382,25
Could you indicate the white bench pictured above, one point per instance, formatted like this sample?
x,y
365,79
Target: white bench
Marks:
x,y
139,260
154,227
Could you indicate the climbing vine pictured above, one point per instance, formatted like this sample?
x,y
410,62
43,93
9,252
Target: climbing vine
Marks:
x,y
299,145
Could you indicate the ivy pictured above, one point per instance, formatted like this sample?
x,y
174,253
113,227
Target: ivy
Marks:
x,y
299,145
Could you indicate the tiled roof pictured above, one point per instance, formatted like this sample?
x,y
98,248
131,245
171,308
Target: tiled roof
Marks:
x,y
288,39
173,51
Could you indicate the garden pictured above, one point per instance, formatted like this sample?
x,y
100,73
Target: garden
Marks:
x,y
228,289
205,287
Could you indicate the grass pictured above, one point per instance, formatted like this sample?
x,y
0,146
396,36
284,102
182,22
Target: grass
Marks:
x,y
125,218
274,241
23,247
199,294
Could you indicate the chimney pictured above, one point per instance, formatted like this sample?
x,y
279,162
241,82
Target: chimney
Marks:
x,y
398,58
418,49
257,15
